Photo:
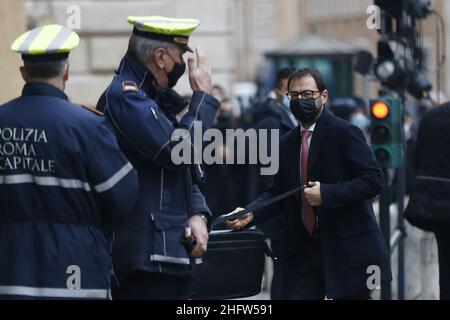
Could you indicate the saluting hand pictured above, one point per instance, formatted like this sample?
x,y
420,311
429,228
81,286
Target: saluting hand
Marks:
x,y
312,194
200,72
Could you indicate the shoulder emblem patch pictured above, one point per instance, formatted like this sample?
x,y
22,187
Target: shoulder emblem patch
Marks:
x,y
93,110
129,86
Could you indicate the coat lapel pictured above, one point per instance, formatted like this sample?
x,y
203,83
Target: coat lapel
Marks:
x,y
317,138
295,146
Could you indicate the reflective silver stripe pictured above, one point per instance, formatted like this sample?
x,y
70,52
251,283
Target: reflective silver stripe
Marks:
x,y
45,181
198,260
200,169
220,232
159,151
197,111
180,21
433,178
164,243
162,189
160,258
59,40
143,80
111,182
25,46
54,292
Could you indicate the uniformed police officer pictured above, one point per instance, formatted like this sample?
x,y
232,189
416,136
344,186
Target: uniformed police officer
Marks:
x,y
149,258
64,183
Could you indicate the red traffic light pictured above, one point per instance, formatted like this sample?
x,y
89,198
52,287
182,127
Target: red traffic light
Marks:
x,y
380,110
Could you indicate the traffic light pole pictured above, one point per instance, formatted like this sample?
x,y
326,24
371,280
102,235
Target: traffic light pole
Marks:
x,y
388,143
401,192
401,186
385,226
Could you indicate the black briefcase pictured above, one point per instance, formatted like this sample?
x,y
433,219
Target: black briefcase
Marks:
x,y
233,266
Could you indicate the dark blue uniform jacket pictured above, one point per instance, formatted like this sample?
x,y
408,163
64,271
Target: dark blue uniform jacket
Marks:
x,y
168,193
64,184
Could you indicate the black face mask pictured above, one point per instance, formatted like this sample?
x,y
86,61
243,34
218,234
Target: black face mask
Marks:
x,y
225,119
176,73
305,110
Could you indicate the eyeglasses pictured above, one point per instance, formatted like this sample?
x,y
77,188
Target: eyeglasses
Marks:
x,y
307,94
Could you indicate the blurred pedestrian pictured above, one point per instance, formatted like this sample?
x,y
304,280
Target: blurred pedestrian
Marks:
x,y
272,113
429,204
359,119
343,108
218,92
227,174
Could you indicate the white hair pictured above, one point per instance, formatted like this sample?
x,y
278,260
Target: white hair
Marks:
x,y
144,48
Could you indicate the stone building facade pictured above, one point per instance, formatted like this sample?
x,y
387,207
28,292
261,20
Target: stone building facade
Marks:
x,y
233,33
12,23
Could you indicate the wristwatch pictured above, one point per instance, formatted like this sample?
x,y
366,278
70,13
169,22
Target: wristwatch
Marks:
x,y
201,215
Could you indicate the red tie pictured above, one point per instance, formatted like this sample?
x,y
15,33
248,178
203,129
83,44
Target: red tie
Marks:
x,y
309,218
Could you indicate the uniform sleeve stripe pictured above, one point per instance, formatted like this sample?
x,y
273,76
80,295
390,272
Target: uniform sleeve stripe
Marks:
x,y
45,181
111,182
54,292
176,260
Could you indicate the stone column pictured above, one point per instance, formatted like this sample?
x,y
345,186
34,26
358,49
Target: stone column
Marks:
x,y
12,24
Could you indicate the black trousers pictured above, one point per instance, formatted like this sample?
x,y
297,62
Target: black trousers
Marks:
x,y
443,244
276,288
141,285
304,277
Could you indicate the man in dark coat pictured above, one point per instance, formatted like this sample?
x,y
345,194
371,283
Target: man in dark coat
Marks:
x,y
332,241
432,184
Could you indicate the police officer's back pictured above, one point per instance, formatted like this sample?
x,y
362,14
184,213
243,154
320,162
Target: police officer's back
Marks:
x,y
64,183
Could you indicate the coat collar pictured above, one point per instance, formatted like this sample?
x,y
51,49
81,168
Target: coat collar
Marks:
x,y
287,118
132,69
318,136
43,89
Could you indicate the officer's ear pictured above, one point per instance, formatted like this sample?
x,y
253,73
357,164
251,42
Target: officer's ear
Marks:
x,y
24,74
66,73
159,57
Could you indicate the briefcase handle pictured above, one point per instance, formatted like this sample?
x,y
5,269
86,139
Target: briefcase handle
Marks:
x,y
228,217
269,252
